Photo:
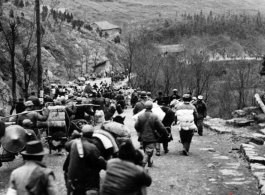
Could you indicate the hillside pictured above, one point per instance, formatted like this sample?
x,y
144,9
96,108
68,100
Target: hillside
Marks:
x,y
123,12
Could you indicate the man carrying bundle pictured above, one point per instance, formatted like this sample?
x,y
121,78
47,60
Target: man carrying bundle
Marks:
x,y
33,116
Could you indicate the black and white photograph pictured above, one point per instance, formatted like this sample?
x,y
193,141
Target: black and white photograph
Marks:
x,y
132,97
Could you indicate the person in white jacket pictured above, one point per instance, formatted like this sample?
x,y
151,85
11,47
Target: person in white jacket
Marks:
x,y
186,115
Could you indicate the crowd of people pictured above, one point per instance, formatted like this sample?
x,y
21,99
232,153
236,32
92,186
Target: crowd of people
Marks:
x,y
126,173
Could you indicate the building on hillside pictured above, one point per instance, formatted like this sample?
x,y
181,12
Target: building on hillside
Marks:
x,y
171,49
106,29
102,67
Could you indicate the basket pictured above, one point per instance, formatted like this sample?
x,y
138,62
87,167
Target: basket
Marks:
x,y
6,156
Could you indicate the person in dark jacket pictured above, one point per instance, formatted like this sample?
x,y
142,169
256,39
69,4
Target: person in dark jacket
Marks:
x,y
84,164
140,105
202,113
167,122
35,100
19,106
159,99
146,125
175,95
119,118
134,98
99,100
123,175
82,109
120,99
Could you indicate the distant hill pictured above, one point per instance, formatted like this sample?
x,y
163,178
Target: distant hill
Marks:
x,y
134,11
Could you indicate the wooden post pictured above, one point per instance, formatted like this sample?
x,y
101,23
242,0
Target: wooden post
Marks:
x,y
38,33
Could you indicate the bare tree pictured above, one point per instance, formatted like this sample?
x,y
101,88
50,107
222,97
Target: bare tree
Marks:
x,y
10,35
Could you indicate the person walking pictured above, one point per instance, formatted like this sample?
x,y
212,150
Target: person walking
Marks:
x,y
167,122
33,116
33,177
202,113
83,164
123,175
149,126
19,106
159,99
175,95
139,106
186,114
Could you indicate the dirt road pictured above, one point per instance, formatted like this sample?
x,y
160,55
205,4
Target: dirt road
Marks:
x,y
211,168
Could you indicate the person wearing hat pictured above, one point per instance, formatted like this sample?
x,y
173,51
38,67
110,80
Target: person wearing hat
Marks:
x,y
35,100
146,125
120,99
149,96
186,114
19,106
123,175
140,105
134,98
82,109
83,164
33,116
33,177
202,113
175,95
159,99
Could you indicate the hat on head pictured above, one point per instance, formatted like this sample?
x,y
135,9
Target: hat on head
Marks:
x,y
120,92
34,148
87,130
148,93
119,109
2,128
70,96
21,100
148,105
27,122
127,151
15,139
200,97
175,90
143,94
28,103
186,97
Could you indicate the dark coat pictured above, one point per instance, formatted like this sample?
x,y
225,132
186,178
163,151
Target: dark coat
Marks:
x,y
20,107
99,101
35,100
84,172
146,124
159,100
138,107
201,109
81,110
124,177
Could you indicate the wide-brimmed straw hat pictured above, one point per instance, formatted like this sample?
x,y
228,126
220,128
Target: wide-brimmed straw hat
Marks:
x,y
34,148
15,139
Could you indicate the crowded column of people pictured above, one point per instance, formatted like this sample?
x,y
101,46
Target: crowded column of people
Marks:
x,y
125,169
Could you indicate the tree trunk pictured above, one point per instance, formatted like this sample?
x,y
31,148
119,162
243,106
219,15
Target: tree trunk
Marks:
x,y
13,65
14,76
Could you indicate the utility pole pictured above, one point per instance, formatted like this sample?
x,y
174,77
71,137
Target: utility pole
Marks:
x,y
38,33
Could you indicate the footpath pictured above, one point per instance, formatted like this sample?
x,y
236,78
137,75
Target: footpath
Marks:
x,y
249,142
